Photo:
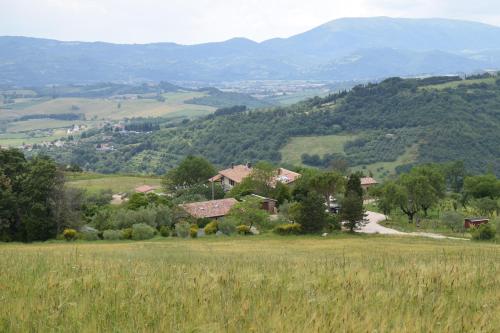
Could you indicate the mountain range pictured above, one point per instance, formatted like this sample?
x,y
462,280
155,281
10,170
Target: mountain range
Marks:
x,y
341,50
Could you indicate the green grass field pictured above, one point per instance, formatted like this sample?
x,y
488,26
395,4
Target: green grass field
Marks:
x,y
385,170
115,183
320,145
258,284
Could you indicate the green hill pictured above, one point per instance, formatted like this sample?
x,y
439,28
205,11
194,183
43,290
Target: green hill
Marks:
x,y
395,123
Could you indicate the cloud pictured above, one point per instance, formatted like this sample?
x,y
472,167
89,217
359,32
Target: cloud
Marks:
x,y
195,21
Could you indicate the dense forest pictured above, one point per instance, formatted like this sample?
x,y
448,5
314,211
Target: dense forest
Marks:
x,y
454,120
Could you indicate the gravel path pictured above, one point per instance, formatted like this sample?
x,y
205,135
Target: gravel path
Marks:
x,y
373,227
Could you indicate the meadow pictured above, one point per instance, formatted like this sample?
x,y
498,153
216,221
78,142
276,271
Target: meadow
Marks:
x,y
258,284
116,183
321,145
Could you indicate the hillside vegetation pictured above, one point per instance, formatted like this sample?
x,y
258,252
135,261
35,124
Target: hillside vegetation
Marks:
x,y
390,119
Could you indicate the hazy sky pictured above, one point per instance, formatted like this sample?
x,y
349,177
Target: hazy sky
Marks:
x,y
195,21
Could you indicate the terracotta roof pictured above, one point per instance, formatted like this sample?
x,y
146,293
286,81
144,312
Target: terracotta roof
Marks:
x,y
208,209
238,172
286,176
144,189
368,181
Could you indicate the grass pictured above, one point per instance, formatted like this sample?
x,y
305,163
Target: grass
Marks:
x,y
258,284
320,145
455,84
115,183
385,170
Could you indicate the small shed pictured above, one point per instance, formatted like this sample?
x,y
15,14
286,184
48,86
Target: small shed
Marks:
x,y
267,204
475,222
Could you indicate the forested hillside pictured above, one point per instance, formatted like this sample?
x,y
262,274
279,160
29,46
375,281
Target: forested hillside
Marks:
x,y
441,119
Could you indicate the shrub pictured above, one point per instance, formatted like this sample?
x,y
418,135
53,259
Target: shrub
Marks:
x,y
89,235
182,229
454,221
243,229
203,222
142,231
484,232
164,231
211,228
127,233
333,222
112,234
69,234
193,231
288,229
226,226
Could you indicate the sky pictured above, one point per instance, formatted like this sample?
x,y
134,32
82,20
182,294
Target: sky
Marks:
x,y
199,21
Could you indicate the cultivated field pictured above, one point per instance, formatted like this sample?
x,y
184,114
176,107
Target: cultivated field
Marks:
x,y
94,112
115,183
263,284
321,145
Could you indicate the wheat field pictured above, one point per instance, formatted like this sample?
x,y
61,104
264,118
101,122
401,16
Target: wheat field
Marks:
x,y
260,284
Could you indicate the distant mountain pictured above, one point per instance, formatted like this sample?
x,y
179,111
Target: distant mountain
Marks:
x,y
344,49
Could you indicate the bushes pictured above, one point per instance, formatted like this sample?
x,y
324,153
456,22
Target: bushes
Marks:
x,y
211,228
193,231
112,235
454,221
182,229
88,235
142,231
127,233
243,230
227,227
484,232
288,229
69,234
164,231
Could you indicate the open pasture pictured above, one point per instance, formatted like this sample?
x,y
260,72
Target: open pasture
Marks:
x,y
258,284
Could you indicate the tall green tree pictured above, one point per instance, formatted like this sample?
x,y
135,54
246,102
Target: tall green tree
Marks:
x,y
311,213
328,184
352,210
191,171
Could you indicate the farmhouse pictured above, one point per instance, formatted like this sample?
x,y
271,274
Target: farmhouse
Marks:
x,y
367,182
214,209
475,222
235,175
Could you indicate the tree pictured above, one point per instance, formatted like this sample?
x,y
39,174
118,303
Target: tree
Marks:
x,y
328,184
310,213
454,220
455,174
354,185
387,196
482,186
261,181
352,210
192,170
248,212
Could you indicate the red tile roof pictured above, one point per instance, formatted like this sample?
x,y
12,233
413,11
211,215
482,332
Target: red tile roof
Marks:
x,y
286,176
239,172
209,209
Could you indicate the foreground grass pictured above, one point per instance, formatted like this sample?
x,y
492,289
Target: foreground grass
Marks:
x,y
265,284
